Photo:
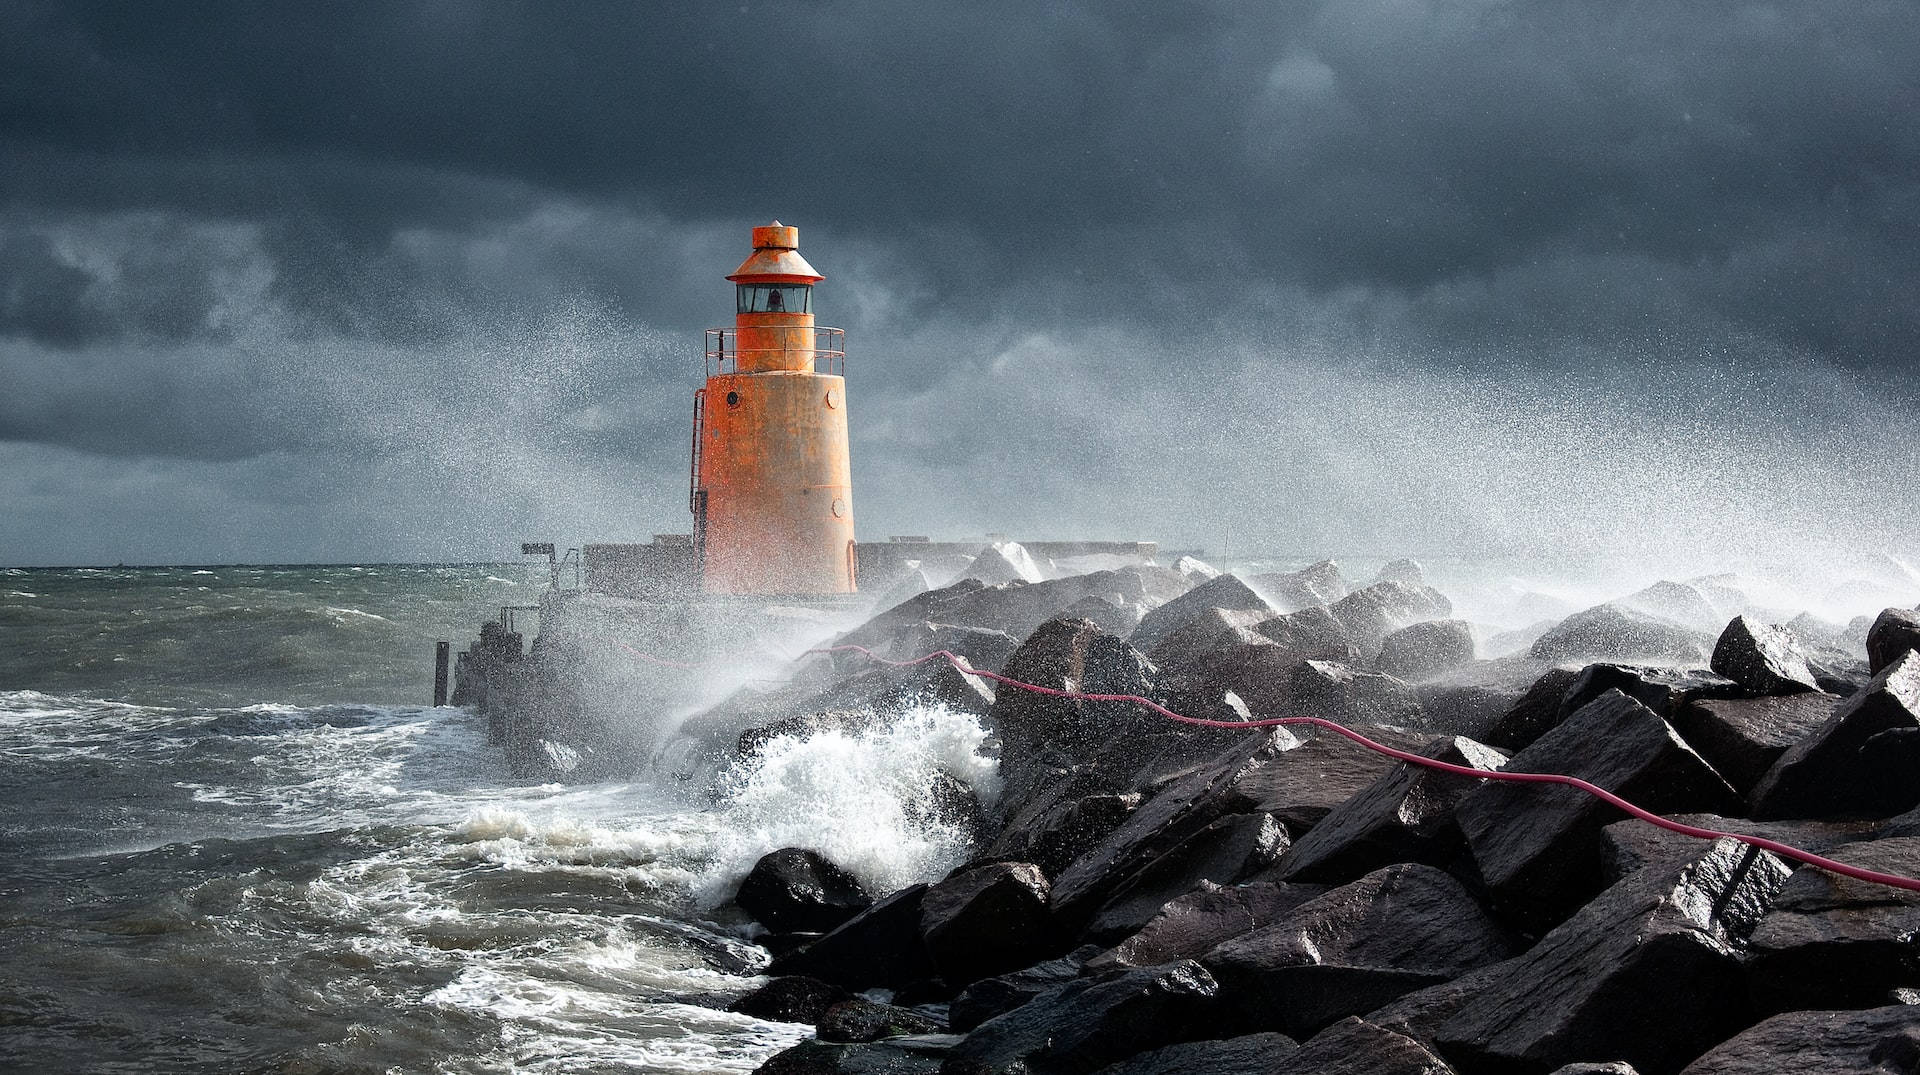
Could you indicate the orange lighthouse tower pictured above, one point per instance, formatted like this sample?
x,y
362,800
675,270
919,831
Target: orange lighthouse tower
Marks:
x,y
772,485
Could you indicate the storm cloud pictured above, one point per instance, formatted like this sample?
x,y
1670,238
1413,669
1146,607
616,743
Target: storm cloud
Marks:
x,y
1360,274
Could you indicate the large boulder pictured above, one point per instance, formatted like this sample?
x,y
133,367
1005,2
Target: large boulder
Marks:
x,y
1836,942
1878,1041
880,946
1086,1024
1192,925
1005,561
1560,691
1632,845
861,1019
1370,615
1318,585
988,997
794,998
1342,693
1613,633
1425,650
1648,972
1354,949
1676,602
1537,845
1018,608
1251,1054
1222,592
1051,831
916,1054
1895,633
1403,570
1762,657
796,890
1355,1046
980,647
987,921
1191,647
1843,768
1302,783
1743,737
1404,816
1228,850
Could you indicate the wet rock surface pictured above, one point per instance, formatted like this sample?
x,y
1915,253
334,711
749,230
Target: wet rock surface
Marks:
x,y
797,890
1613,633
1371,614
1354,1046
792,999
1227,850
1087,1024
1350,696
1834,771
1251,1054
1194,924
1895,633
860,1019
1425,650
1876,1041
1836,942
1222,592
1743,737
880,946
987,921
988,997
1761,657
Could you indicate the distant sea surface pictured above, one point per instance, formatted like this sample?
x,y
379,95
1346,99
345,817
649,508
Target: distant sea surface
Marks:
x,y
236,838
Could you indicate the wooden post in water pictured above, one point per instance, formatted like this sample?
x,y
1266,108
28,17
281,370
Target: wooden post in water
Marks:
x,y
440,652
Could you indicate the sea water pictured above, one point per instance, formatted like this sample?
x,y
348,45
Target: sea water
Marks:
x,y
234,839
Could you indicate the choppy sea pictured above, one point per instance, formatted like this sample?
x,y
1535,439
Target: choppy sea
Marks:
x,y
234,838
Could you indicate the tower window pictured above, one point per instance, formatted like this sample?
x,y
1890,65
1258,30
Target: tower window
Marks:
x,y
775,299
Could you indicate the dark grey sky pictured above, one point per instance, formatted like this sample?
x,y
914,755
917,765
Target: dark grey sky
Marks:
x,y
417,280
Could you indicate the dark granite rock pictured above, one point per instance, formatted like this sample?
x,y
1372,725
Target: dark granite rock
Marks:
x,y
988,997
1223,592
1648,972
1087,1024
1356,1047
1310,634
987,921
1762,657
1192,925
1042,735
1190,804
1469,709
1117,618
1426,650
1315,586
1611,1067
1407,571
1370,615
880,946
1354,949
1537,845
1230,849
1052,832
1252,1054
1537,711
920,1054
797,889
1017,608
1301,785
1339,692
1420,1014
1404,816
980,647
1632,845
1835,942
1678,602
1879,1041
1743,737
1612,633
860,1019
1894,633
792,999
1831,773
1192,647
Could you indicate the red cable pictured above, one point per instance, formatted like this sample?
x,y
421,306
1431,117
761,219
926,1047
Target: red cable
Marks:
x,y
1775,846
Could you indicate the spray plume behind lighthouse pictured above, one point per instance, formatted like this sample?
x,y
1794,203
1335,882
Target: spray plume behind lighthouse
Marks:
x,y
772,486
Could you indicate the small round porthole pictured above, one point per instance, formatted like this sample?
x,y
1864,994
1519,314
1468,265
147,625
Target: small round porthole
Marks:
x,y
733,399
839,508
833,399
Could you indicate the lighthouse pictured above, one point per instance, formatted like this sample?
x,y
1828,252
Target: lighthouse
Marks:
x,y
772,485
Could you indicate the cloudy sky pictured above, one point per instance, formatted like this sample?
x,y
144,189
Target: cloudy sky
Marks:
x,y
419,280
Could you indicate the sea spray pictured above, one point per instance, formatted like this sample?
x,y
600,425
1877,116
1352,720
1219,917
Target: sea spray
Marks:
x,y
863,799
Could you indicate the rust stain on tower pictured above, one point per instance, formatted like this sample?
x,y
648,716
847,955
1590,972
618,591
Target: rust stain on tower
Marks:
x,y
772,493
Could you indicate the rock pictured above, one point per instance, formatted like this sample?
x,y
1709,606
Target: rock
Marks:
x,y
1675,602
1087,1024
1537,845
1743,737
1370,615
1648,972
1612,633
1356,1047
1190,648
1762,658
860,1019
1894,633
1560,692
1404,816
1316,586
1407,571
980,647
1835,942
1056,831
1879,1041
1041,735
1186,807
1471,709
1537,711
920,1054
880,946
1339,693
1228,850
1223,592
797,889
1420,1014
1252,1054
1017,608
1196,570
987,921
988,997
1003,562
1426,650
795,998
1117,618
1193,924
1611,1067
1832,772
1302,784
1354,949
1632,845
